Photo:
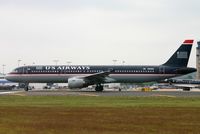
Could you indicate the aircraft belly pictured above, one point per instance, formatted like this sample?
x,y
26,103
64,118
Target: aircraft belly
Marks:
x,y
55,79
135,79
41,79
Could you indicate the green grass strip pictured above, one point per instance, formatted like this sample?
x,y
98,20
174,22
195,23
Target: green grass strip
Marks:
x,y
84,101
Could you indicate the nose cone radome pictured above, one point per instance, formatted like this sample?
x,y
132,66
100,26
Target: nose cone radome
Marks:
x,y
8,77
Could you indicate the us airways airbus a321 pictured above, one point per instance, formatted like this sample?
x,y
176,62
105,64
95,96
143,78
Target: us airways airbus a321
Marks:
x,y
80,76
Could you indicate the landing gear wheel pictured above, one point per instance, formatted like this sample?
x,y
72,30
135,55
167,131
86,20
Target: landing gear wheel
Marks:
x,y
99,88
26,88
186,89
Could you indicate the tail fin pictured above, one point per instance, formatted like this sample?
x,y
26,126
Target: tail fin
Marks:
x,y
181,56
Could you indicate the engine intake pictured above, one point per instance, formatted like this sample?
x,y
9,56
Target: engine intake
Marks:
x,y
76,83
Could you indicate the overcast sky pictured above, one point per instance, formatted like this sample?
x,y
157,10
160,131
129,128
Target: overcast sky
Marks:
x,y
95,31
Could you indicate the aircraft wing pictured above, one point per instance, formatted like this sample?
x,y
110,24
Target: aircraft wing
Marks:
x,y
185,85
101,77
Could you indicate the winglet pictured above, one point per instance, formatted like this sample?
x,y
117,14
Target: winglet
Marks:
x,y
188,42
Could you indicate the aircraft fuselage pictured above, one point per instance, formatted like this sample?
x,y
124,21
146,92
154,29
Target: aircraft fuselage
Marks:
x,y
120,74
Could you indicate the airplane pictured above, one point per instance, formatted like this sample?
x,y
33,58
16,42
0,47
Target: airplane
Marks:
x,y
185,84
80,76
5,84
4,81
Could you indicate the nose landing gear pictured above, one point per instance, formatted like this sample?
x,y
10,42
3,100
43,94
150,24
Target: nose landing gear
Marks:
x,y
99,88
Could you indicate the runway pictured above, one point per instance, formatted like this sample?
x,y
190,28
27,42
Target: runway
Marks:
x,y
104,93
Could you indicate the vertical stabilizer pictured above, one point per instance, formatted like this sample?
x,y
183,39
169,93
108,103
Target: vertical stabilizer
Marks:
x,y
181,56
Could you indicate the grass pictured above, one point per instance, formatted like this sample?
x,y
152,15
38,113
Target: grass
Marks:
x,y
97,115
86,101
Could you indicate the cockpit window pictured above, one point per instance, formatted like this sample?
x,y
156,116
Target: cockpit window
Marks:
x,y
15,71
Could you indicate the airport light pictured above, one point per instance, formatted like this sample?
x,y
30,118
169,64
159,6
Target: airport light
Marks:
x,y
123,62
56,61
114,61
19,62
69,62
3,67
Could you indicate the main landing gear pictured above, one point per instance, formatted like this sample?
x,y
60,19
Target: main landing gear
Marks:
x,y
27,87
186,89
99,88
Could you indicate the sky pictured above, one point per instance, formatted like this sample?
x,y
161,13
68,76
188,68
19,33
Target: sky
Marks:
x,y
95,32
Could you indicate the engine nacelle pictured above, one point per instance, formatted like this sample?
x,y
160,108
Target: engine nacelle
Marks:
x,y
76,83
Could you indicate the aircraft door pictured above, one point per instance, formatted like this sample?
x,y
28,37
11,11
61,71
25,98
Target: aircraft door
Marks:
x,y
26,70
162,70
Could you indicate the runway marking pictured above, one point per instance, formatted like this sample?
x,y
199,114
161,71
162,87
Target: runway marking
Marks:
x,y
85,94
19,94
10,92
159,95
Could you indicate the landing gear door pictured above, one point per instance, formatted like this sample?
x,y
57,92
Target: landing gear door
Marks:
x,y
162,70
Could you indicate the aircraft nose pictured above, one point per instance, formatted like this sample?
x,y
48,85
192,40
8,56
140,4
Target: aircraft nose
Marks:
x,y
8,77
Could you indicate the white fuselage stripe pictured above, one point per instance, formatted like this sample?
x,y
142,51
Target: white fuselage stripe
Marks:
x,y
90,74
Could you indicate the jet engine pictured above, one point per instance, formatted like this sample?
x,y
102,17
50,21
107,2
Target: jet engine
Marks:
x,y
76,83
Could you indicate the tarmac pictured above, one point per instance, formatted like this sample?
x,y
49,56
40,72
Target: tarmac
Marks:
x,y
62,92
